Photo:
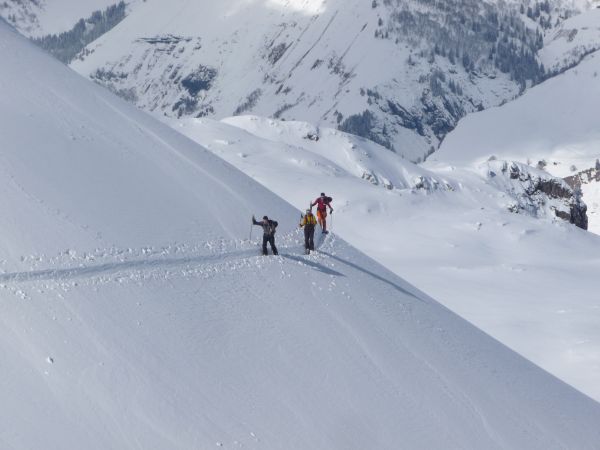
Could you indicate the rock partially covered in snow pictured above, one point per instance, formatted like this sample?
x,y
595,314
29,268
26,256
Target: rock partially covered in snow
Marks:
x,y
537,192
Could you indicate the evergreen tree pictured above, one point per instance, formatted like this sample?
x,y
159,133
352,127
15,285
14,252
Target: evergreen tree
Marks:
x,y
65,46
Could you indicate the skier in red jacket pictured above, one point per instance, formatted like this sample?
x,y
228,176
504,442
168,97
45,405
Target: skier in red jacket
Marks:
x,y
322,203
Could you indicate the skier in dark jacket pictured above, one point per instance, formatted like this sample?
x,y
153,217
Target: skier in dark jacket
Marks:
x,y
269,227
309,221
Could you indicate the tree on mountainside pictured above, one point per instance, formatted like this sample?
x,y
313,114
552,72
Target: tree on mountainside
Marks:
x,y
65,46
477,34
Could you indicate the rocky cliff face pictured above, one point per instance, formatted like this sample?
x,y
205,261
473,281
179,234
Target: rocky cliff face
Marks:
x,y
587,182
584,177
538,193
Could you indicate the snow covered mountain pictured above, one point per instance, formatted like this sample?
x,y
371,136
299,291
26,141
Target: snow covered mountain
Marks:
x,y
35,18
553,126
399,73
572,40
135,313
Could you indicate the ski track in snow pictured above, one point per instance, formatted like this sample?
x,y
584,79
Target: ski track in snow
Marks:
x,y
116,270
323,259
116,267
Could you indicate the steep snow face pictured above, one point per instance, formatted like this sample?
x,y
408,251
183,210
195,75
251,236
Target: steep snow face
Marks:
x,y
356,65
485,242
39,17
127,341
121,175
554,126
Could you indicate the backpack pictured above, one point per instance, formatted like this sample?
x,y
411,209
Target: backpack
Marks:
x,y
328,200
273,225
309,219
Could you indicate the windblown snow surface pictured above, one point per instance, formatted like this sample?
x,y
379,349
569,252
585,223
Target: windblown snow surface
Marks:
x,y
135,313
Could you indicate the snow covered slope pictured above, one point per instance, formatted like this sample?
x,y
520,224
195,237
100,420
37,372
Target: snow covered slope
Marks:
x,y
134,316
39,17
572,40
555,126
471,238
100,179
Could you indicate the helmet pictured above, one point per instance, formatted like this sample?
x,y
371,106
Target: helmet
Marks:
x,y
322,194
265,218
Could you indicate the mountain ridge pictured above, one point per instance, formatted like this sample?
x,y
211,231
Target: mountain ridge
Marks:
x,y
330,65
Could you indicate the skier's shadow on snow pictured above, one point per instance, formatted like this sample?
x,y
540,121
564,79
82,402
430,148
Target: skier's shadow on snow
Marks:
x,y
120,266
314,265
374,275
145,264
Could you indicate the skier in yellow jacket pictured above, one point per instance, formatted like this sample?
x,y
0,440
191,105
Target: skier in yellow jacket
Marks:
x,y
309,222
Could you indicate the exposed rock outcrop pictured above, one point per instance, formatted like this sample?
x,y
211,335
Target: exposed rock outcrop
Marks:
x,y
538,193
584,177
